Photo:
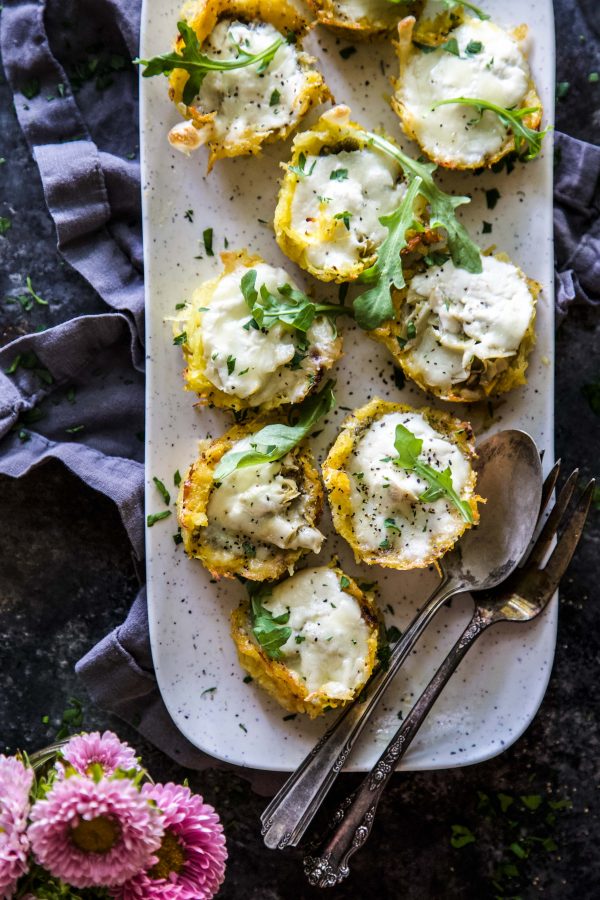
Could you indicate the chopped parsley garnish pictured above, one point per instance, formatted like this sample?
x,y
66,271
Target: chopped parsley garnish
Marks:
x,y
299,638
275,98
347,52
162,490
344,582
461,836
487,228
197,64
473,47
451,46
440,484
152,518
593,77
273,441
180,338
230,364
75,429
411,331
562,89
393,634
345,217
339,175
288,305
390,524
528,141
300,169
5,224
207,237
177,478
178,538
189,215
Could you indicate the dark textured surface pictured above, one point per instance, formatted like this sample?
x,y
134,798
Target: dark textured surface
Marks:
x,y
66,578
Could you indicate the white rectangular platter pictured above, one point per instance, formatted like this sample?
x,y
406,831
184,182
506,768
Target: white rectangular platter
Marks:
x,y
499,687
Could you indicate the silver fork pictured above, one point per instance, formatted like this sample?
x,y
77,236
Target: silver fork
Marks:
x,y
519,599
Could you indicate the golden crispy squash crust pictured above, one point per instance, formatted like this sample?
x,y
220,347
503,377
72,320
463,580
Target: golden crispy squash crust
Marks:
x,y
337,481
203,16
194,496
406,50
194,374
283,683
333,132
328,14
513,376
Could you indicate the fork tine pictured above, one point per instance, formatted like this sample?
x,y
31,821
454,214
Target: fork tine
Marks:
x,y
548,532
549,485
567,543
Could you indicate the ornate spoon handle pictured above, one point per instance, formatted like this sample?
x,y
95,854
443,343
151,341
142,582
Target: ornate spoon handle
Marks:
x,y
354,818
290,812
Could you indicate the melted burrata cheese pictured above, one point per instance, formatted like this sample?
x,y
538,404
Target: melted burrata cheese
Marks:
x,y
385,498
460,316
248,100
338,203
257,364
259,504
328,647
492,69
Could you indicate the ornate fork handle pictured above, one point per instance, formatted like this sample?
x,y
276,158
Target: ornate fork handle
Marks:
x,y
290,812
354,818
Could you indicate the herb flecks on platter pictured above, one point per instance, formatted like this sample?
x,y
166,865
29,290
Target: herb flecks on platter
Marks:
x,y
454,4
375,306
528,141
273,442
287,305
440,484
197,64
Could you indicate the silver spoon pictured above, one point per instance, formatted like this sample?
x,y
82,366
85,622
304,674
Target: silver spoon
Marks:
x,y
510,478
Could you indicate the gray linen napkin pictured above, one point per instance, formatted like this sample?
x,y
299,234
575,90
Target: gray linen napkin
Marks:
x,y
82,143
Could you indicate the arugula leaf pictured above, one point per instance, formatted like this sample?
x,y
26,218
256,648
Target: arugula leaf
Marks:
x,y
440,484
528,141
375,305
290,306
270,631
197,64
463,251
273,441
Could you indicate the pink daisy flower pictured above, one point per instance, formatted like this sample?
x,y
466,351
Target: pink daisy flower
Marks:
x,y
191,859
94,834
15,784
105,750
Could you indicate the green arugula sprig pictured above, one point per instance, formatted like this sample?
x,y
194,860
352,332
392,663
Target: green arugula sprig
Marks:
x,y
528,141
375,306
270,631
409,449
290,306
273,441
197,64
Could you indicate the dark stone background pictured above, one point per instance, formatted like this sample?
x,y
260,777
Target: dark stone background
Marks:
x,y
67,578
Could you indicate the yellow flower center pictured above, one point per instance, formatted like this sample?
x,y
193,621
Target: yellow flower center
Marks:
x,y
171,857
95,835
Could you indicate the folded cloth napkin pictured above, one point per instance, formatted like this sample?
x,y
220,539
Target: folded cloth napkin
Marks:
x,y
82,142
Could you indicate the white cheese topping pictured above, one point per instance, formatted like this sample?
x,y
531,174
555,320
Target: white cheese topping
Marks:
x,y
328,648
365,187
498,72
247,100
256,364
460,316
382,491
367,10
259,503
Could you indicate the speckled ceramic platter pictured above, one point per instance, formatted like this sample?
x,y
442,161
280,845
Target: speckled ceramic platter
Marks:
x,y
499,687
